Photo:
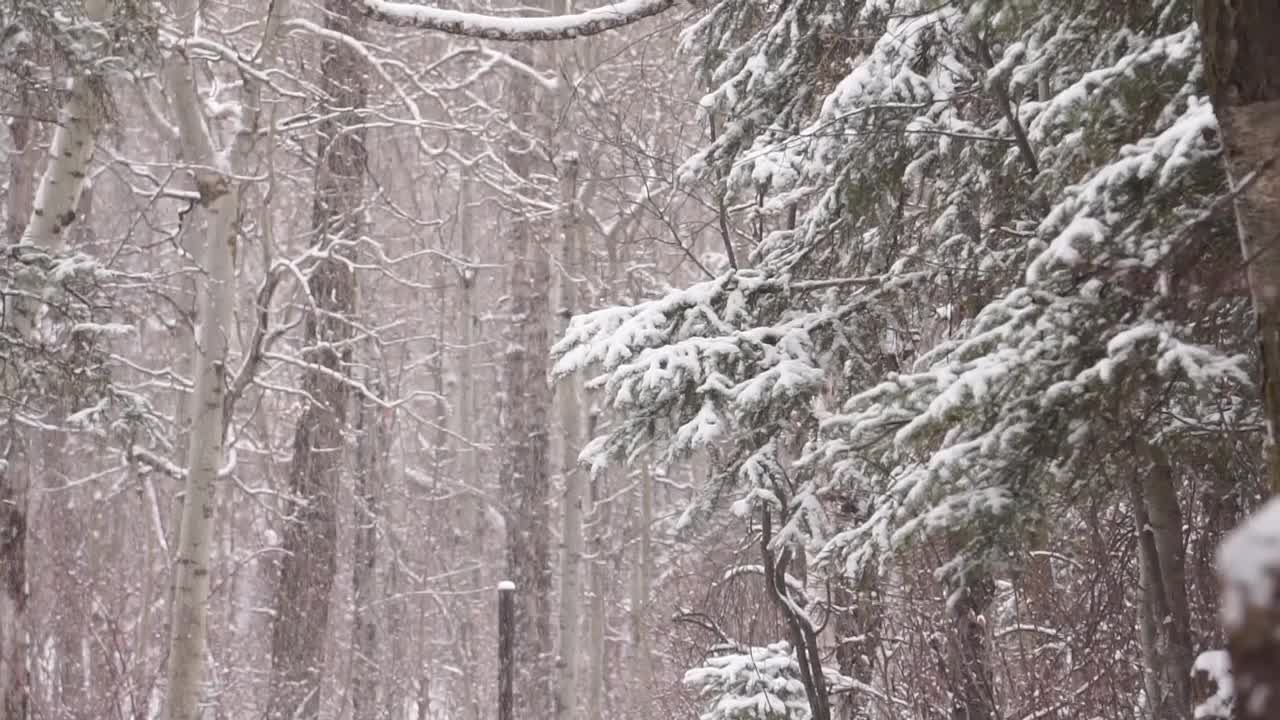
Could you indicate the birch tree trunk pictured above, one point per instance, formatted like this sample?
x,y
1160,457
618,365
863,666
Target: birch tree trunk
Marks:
x,y
38,218
188,632
220,204
310,536
1242,69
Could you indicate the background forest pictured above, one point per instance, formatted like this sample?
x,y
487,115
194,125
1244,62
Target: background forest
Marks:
x,y
808,359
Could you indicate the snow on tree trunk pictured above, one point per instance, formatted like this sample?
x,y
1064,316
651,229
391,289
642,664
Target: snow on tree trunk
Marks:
x,y
1242,69
568,399
308,567
804,636
57,198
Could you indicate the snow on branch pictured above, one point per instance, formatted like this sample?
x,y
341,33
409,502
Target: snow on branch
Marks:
x,y
516,29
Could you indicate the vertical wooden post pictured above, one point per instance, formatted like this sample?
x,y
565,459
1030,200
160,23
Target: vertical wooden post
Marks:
x,y
506,647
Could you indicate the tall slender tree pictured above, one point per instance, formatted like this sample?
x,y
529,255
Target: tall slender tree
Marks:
x,y
308,566
219,193
525,471
36,220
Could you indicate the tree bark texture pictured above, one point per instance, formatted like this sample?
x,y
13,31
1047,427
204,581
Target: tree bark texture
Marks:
x,y
219,201
370,443
308,566
1242,69
969,663
525,473
14,687
35,216
569,402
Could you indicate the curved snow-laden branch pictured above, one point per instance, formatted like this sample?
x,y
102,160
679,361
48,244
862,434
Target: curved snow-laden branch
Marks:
x,y
563,27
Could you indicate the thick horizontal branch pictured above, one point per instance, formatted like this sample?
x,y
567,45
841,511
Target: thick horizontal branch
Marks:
x,y
516,29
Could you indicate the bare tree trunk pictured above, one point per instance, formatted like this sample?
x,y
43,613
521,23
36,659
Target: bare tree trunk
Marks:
x,y
969,664
310,537
568,397
642,589
370,439
38,217
220,202
141,698
804,636
598,657
1242,69
1164,518
14,686
524,477
1151,608
14,689
473,521
392,672
219,198
67,530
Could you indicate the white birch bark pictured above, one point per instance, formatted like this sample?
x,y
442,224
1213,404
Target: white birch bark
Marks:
x,y
38,219
58,195
219,200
